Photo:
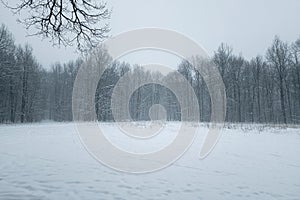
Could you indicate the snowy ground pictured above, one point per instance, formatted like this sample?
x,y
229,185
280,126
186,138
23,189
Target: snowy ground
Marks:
x,y
47,161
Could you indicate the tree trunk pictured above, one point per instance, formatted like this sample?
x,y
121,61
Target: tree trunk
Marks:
x,y
11,98
282,100
24,95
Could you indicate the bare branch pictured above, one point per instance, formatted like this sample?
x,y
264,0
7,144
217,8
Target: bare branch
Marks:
x,y
66,22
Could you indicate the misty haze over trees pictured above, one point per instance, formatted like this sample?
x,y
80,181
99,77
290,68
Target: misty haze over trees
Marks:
x,y
265,89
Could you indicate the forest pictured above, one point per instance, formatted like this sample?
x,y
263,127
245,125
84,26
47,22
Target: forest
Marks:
x,y
264,89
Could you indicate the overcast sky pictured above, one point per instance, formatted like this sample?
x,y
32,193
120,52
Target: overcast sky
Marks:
x,y
248,26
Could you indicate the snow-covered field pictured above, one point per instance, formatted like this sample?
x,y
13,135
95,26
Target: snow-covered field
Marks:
x,y
48,161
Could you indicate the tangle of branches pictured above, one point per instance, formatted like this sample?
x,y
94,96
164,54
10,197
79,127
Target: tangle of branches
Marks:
x,y
65,21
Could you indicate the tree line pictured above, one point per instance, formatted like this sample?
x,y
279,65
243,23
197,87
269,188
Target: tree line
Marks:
x,y
265,89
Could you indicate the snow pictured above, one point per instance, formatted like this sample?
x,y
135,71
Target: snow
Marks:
x,y
48,161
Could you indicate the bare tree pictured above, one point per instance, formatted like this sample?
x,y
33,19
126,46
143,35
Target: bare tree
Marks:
x,y
7,72
296,64
66,21
257,65
278,55
222,57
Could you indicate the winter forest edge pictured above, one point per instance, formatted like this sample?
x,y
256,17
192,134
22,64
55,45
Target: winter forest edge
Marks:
x,y
265,89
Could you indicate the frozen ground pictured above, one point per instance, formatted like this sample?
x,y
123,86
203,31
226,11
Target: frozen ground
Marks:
x,y
47,161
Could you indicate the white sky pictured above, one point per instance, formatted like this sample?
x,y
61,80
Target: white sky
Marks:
x,y
248,26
